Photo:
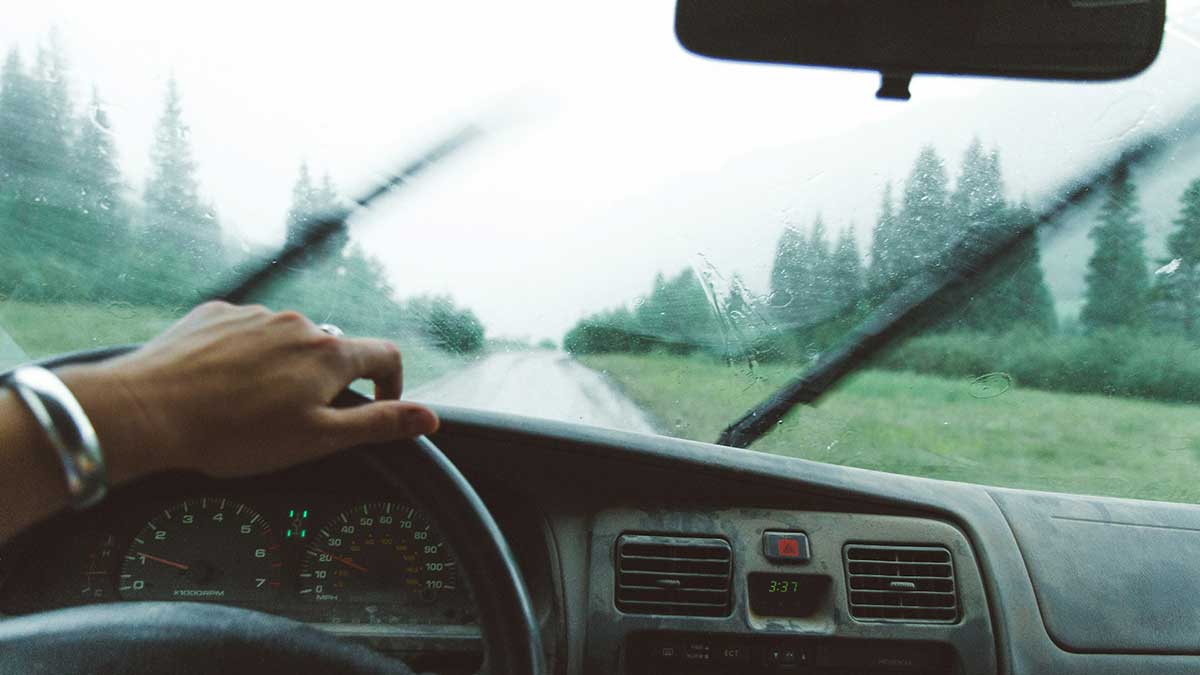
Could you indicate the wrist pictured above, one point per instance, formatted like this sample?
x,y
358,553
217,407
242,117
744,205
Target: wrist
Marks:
x,y
126,438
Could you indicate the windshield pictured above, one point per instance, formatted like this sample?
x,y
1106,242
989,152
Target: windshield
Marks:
x,y
642,239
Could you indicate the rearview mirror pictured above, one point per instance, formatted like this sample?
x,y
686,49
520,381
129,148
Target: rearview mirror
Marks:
x,y
1052,39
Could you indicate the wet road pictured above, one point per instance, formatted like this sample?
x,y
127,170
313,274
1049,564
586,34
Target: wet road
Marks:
x,y
537,384
11,355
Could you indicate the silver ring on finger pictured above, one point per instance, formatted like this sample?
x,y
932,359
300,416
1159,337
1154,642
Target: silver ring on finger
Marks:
x,y
330,329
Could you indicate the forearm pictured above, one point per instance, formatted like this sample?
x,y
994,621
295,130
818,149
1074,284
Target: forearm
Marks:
x,y
32,482
32,479
229,391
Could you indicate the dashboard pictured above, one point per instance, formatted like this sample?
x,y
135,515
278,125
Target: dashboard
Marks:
x,y
329,544
649,555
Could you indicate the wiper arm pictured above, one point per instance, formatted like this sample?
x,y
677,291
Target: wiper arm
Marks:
x,y
318,229
967,259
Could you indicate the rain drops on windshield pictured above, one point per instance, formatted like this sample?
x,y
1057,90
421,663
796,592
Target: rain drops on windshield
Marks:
x,y
996,282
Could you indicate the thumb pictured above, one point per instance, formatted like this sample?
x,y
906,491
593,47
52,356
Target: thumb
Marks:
x,y
377,422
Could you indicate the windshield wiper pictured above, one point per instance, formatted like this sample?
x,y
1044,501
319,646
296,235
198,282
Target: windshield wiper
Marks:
x,y
965,260
318,229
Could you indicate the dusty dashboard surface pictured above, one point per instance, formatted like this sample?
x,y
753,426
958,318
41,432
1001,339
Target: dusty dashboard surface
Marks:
x,y
764,591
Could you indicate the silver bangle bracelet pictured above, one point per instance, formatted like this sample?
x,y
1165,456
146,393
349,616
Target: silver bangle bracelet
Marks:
x,y
68,429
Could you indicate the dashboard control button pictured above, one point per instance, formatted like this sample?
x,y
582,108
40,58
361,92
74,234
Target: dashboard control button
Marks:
x,y
727,654
884,655
786,547
733,653
786,655
773,655
697,651
664,651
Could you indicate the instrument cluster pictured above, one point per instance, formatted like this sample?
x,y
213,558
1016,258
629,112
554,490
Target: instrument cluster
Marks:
x,y
318,557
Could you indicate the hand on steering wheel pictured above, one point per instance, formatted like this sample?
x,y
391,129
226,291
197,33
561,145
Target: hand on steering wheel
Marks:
x,y
232,391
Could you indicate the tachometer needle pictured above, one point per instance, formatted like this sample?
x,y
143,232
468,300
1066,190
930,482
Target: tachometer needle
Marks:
x,y
345,561
164,561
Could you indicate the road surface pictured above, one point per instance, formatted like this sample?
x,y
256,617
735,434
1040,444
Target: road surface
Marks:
x,y
537,384
11,355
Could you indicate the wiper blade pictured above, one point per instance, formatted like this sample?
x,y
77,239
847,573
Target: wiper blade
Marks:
x,y
965,260
318,229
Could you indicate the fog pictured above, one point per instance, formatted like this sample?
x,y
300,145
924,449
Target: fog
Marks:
x,y
621,154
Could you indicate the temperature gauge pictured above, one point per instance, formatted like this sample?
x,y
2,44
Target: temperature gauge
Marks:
x,y
99,572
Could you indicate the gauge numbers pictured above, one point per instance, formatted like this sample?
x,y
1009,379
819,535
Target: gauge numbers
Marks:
x,y
206,549
375,556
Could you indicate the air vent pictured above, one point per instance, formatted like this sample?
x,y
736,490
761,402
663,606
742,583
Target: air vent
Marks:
x,y
673,575
900,583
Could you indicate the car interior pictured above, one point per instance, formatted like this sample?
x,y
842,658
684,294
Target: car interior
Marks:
x,y
522,545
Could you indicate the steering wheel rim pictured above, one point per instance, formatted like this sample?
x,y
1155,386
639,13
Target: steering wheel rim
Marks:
x,y
511,639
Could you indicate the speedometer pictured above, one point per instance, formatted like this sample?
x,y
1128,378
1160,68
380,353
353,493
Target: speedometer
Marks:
x,y
208,549
369,560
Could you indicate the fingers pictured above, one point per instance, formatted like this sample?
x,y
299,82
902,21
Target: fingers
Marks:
x,y
376,360
377,422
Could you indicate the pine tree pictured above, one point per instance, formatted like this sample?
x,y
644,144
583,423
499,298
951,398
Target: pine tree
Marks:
x,y
18,108
328,200
922,233
39,190
979,193
311,200
340,281
678,313
738,308
1177,285
884,271
327,196
97,175
97,219
818,274
303,204
1012,291
53,130
182,235
36,126
17,157
1117,276
846,275
786,277
1023,283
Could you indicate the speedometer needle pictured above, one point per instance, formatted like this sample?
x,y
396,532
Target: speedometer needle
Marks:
x,y
345,561
164,561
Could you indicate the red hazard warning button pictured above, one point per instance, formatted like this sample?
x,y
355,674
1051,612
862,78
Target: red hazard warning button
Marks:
x,y
786,547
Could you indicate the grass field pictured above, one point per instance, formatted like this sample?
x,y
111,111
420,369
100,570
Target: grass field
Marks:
x,y
41,330
931,426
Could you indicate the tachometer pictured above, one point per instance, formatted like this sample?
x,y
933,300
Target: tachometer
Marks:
x,y
207,549
375,557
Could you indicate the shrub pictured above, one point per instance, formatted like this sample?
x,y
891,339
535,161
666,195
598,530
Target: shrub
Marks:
x,y
447,326
1116,363
606,332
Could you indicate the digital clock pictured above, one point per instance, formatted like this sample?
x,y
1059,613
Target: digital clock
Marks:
x,y
790,595
783,586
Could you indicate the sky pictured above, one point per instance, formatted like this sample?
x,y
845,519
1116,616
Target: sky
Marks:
x,y
612,153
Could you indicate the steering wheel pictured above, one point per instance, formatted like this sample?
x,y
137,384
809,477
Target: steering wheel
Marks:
x,y
157,637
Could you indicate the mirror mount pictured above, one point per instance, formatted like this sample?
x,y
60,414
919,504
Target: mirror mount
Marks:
x,y
894,86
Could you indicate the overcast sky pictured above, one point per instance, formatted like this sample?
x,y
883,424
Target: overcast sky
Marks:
x,y
622,154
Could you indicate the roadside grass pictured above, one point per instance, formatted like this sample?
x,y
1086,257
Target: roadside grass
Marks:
x,y
933,426
45,329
